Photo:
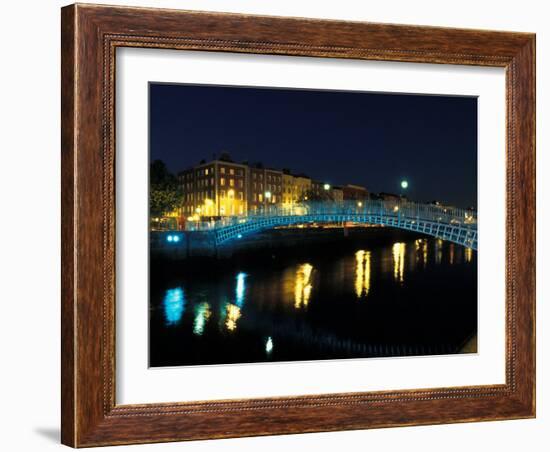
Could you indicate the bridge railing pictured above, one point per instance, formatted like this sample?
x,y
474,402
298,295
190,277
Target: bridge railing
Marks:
x,y
402,209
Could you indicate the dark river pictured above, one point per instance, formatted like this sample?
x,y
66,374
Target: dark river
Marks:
x,y
379,293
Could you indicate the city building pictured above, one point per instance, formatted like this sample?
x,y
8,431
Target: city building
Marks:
x,y
389,197
223,187
355,192
265,188
337,194
215,188
295,188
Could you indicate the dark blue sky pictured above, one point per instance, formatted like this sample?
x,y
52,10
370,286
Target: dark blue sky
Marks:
x,y
369,139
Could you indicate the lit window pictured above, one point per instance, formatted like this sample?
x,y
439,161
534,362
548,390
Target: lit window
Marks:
x,y
241,183
232,171
222,170
260,197
222,181
241,195
231,182
206,172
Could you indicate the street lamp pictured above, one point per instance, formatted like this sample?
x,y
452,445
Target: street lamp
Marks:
x,y
326,187
404,184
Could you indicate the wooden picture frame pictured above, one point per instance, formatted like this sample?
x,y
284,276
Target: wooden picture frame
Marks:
x,y
90,36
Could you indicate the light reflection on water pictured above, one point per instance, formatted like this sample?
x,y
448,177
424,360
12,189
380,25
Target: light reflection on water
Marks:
x,y
174,305
303,285
272,302
398,251
202,314
362,273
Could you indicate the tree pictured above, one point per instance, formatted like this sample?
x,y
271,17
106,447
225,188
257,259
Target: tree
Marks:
x,y
165,193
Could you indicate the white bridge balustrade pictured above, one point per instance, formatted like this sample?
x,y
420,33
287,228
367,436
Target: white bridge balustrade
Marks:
x,y
451,224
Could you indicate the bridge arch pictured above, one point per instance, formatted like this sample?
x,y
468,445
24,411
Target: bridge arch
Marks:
x,y
454,225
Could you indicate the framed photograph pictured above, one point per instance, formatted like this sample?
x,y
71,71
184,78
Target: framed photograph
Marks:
x,y
281,225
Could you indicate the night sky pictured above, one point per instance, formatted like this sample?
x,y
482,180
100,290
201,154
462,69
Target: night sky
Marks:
x,y
374,140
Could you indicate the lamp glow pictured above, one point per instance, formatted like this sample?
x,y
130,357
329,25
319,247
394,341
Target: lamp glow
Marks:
x,y
404,184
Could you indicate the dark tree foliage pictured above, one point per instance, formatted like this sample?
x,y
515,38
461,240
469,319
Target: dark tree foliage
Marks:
x,y
165,192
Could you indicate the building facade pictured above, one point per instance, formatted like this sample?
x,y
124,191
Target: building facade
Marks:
x,y
223,187
355,193
213,189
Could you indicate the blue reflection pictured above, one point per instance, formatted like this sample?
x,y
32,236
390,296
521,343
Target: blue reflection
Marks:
x,y
240,290
174,305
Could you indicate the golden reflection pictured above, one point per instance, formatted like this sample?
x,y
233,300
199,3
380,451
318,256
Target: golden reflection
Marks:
x,y
202,314
362,273
421,248
452,254
302,286
398,251
468,252
233,313
438,251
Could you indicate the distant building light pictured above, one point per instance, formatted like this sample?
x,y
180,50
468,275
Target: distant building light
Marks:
x,y
267,195
239,236
360,204
169,238
176,238
326,186
404,184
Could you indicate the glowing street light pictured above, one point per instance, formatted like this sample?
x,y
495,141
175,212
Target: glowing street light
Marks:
x,y
404,184
326,187
359,204
267,195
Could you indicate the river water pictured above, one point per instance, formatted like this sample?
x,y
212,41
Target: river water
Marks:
x,y
394,295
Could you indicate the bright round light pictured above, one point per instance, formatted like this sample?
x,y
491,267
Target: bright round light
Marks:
x,y
326,186
176,238
268,195
169,238
404,184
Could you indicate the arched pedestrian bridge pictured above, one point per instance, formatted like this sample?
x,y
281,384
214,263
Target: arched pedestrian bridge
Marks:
x,y
451,224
